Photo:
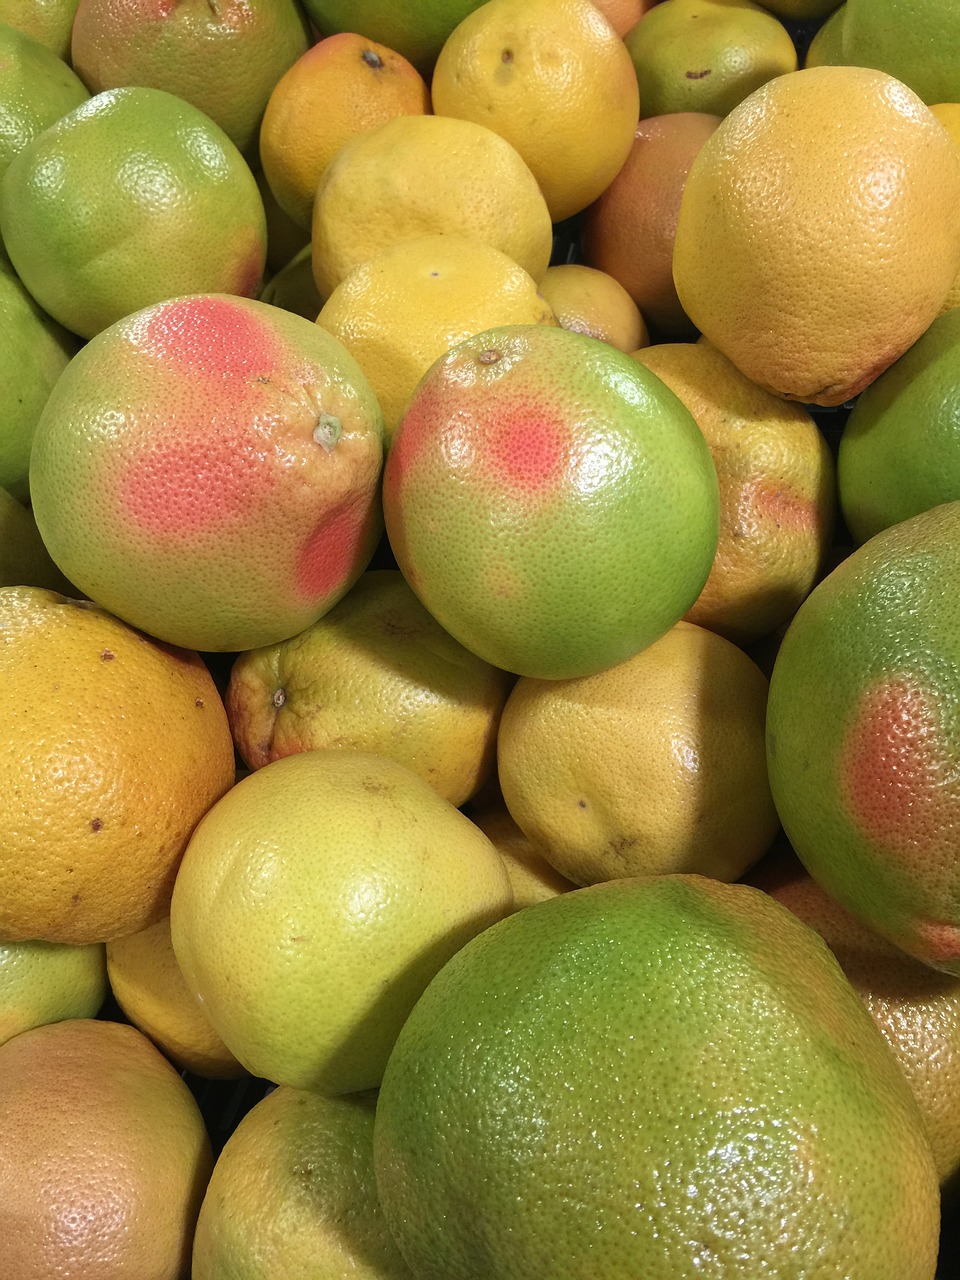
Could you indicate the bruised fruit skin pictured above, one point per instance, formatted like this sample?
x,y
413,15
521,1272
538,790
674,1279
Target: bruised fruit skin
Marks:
x,y
208,470
552,503
863,735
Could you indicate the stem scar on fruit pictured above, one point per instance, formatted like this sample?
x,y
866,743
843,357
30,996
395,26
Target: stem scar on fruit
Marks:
x,y
327,431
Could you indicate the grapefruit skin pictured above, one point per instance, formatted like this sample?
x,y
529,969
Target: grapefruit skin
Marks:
x,y
552,503
208,470
662,1076
863,735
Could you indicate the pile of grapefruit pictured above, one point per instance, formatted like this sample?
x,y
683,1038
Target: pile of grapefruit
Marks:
x,y
479,639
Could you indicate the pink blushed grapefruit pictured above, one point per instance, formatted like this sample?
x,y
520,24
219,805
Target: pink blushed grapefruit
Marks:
x,y
552,503
209,468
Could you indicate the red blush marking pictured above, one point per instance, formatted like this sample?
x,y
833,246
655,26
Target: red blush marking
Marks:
x,y
774,505
897,775
941,942
526,452
332,552
416,427
194,486
208,334
250,271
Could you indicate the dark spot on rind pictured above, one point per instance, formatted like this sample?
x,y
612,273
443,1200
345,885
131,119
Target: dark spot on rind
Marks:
x,y
107,655
375,786
75,898
698,75
372,59
490,356
279,698
582,804
96,824
507,55
198,702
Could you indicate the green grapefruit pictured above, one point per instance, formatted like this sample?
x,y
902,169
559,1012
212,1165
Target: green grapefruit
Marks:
x,y
552,502
863,735
660,1077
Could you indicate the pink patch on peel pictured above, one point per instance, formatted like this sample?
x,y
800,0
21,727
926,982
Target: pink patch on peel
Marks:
x,y
941,942
900,784
207,334
184,487
527,451
780,507
332,552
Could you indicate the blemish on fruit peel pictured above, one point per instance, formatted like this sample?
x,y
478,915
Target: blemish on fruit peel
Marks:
x,y
279,698
327,431
894,778
490,356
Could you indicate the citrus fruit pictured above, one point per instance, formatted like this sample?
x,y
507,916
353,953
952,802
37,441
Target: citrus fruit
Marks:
x,y
653,766
554,79
230,453
133,197
148,986
948,113
377,673
629,230
408,305
863,734
623,14
34,352
293,287
113,747
826,47
424,175
416,29
777,491
660,1077
591,302
917,1010
316,902
340,87
47,21
223,58
706,55
550,501
915,40
36,90
24,560
899,451
43,982
293,1194
532,877
104,1156
818,233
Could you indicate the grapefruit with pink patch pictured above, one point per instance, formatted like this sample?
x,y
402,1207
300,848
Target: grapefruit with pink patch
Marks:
x,y
209,468
552,503
863,735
